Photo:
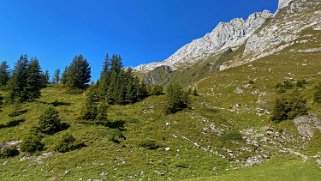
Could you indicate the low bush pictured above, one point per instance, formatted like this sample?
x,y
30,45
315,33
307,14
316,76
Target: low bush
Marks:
x,y
50,123
117,136
232,136
10,151
289,106
68,143
32,143
301,83
284,86
317,94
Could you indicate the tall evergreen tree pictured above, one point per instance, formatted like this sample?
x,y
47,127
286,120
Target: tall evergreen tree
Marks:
x,y
34,80
45,79
4,73
56,78
77,75
104,78
117,85
18,81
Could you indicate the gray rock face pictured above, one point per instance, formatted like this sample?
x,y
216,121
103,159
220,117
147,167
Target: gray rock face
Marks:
x,y
282,31
306,125
225,35
159,74
284,3
259,36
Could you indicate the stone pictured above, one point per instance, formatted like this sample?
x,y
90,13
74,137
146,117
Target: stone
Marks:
x,y
306,124
239,91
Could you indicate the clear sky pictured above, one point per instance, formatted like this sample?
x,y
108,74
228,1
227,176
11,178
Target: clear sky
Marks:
x,y
141,31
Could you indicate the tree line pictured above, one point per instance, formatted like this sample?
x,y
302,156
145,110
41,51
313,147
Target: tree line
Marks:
x,y
25,81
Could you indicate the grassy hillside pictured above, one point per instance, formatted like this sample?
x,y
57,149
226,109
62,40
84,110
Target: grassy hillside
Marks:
x,y
222,131
277,169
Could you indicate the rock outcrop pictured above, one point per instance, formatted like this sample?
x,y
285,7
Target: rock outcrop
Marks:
x,y
284,3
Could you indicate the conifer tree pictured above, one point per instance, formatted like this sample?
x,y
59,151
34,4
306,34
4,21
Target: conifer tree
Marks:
x,y
104,78
4,73
90,110
177,99
56,78
45,79
34,80
18,81
77,75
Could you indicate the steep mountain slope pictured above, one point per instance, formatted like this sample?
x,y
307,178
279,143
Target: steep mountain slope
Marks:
x,y
224,134
227,128
261,35
225,35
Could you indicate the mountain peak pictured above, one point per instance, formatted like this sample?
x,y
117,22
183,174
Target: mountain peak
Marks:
x,y
225,35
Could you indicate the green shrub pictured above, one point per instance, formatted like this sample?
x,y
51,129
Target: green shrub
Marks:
x,y
177,99
284,86
317,94
289,106
102,111
49,122
10,151
301,83
68,143
150,144
233,136
156,90
117,136
89,110
31,143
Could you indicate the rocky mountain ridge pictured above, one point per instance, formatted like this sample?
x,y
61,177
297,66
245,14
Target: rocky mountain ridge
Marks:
x,y
262,34
225,35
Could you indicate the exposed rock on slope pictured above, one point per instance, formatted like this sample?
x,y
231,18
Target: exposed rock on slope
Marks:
x,y
225,35
282,30
262,34
284,3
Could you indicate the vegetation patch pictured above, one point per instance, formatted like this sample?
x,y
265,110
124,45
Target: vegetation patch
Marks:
x,y
150,144
68,143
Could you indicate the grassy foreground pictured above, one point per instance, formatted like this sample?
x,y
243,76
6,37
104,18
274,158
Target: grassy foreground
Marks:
x,y
277,169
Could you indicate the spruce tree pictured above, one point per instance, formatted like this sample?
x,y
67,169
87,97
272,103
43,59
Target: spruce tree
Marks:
x,y
34,80
117,85
45,79
49,122
104,80
18,81
90,109
4,73
56,78
177,99
77,75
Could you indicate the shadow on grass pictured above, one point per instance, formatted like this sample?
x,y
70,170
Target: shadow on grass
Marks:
x,y
56,103
18,113
12,123
116,124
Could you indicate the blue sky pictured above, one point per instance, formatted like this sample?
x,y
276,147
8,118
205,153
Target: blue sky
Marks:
x,y
141,31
